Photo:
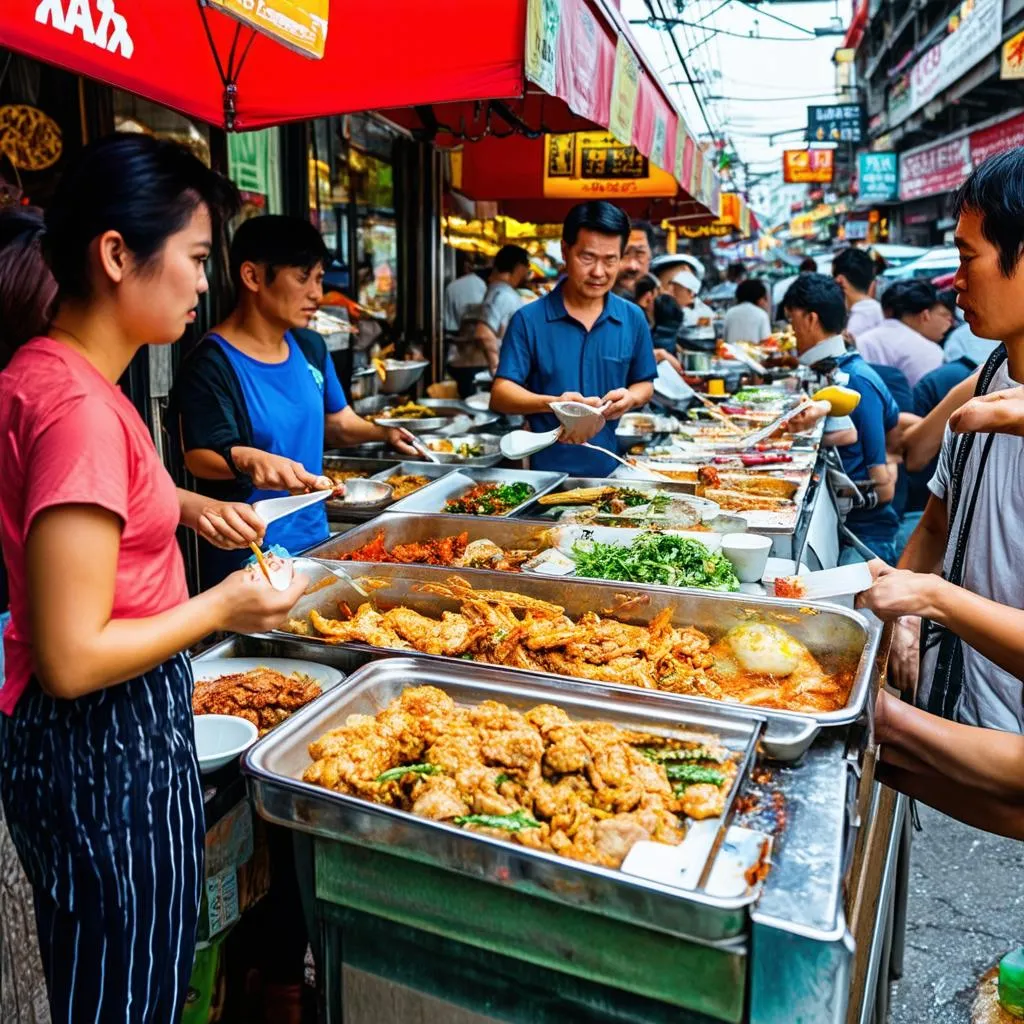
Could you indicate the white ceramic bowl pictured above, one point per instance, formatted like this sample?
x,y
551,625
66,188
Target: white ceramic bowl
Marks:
x,y
748,553
221,738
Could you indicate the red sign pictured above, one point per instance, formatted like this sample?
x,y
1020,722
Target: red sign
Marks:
x,y
1008,134
804,165
934,169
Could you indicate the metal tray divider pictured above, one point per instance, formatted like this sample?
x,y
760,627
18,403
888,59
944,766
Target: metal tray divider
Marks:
x,y
742,774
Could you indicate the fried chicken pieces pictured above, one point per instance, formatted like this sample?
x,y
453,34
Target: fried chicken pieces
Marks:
x,y
504,628
586,790
261,696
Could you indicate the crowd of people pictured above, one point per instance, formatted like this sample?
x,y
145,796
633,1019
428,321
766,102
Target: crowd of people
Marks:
x,y
97,751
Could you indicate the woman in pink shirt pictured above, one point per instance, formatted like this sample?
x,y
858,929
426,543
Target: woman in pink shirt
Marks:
x,y
97,754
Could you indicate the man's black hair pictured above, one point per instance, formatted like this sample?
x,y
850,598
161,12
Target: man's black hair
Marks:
x,y
645,227
647,284
856,266
599,216
752,290
995,190
735,272
509,257
667,312
808,265
908,298
816,293
274,242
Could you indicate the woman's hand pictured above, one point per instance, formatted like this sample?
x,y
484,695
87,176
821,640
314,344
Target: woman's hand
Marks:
x,y
1001,412
249,604
270,472
806,418
229,525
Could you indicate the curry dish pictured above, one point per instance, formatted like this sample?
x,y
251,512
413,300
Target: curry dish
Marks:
x,y
584,790
754,663
261,696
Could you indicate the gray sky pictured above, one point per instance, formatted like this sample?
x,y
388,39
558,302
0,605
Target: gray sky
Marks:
x,y
756,75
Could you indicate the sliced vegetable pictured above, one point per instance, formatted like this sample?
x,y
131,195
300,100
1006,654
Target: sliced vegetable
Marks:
x,y
394,774
503,777
694,774
664,756
517,821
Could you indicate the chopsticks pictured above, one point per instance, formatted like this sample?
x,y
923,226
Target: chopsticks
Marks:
x,y
718,414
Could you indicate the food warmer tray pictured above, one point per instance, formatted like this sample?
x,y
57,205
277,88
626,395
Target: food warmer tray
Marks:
x,y
432,498
794,958
275,769
491,444
834,635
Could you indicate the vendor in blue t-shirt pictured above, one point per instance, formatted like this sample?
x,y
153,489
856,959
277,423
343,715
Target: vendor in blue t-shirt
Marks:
x,y
579,343
259,396
817,310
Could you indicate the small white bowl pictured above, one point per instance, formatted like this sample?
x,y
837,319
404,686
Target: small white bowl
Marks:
x,y
748,553
221,738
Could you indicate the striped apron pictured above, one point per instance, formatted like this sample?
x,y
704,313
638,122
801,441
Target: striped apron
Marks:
x,y
104,804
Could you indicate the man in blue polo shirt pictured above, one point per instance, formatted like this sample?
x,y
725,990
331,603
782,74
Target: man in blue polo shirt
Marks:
x,y
579,343
817,310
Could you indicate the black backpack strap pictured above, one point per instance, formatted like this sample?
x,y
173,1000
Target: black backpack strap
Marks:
x,y
948,680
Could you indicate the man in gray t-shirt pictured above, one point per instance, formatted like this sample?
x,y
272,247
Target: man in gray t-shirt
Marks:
x,y
483,327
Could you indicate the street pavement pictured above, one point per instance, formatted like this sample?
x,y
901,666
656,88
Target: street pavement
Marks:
x,y
966,910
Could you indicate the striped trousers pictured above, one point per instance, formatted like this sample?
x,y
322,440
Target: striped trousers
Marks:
x,y
104,804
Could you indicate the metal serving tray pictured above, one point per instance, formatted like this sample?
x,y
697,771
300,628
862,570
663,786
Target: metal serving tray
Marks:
x,y
490,443
432,498
835,636
275,766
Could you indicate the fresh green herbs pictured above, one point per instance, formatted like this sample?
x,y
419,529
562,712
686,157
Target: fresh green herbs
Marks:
x,y
627,495
394,774
502,777
515,822
490,499
693,774
659,558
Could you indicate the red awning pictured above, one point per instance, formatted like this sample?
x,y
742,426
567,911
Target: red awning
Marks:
x,y
382,55
583,70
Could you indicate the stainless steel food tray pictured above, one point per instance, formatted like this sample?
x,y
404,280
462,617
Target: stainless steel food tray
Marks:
x,y
490,443
275,766
835,636
375,469
432,498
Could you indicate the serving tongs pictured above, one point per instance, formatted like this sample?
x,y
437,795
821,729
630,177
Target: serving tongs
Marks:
x,y
643,466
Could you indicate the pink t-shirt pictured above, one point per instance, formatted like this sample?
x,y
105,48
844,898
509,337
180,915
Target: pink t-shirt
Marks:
x,y
69,436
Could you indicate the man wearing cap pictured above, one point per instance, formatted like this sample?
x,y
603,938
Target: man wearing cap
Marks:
x,y
697,333
579,343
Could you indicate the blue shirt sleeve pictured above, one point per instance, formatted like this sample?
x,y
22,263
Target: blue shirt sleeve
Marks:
x,y
643,365
514,362
334,396
871,419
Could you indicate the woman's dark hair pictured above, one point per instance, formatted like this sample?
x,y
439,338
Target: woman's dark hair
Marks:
x,y
667,312
27,287
908,298
816,293
647,284
753,290
599,216
736,272
145,189
276,241
856,266
808,265
995,191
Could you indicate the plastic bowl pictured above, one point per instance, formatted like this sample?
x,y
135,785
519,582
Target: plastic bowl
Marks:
x,y
221,738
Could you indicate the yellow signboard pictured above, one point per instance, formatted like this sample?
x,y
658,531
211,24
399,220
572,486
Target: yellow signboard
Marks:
x,y
1013,57
625,88
299,24
719,229
595,165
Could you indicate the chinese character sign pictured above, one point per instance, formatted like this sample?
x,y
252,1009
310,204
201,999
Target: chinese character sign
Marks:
x,y
843,122
800,166
878,177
